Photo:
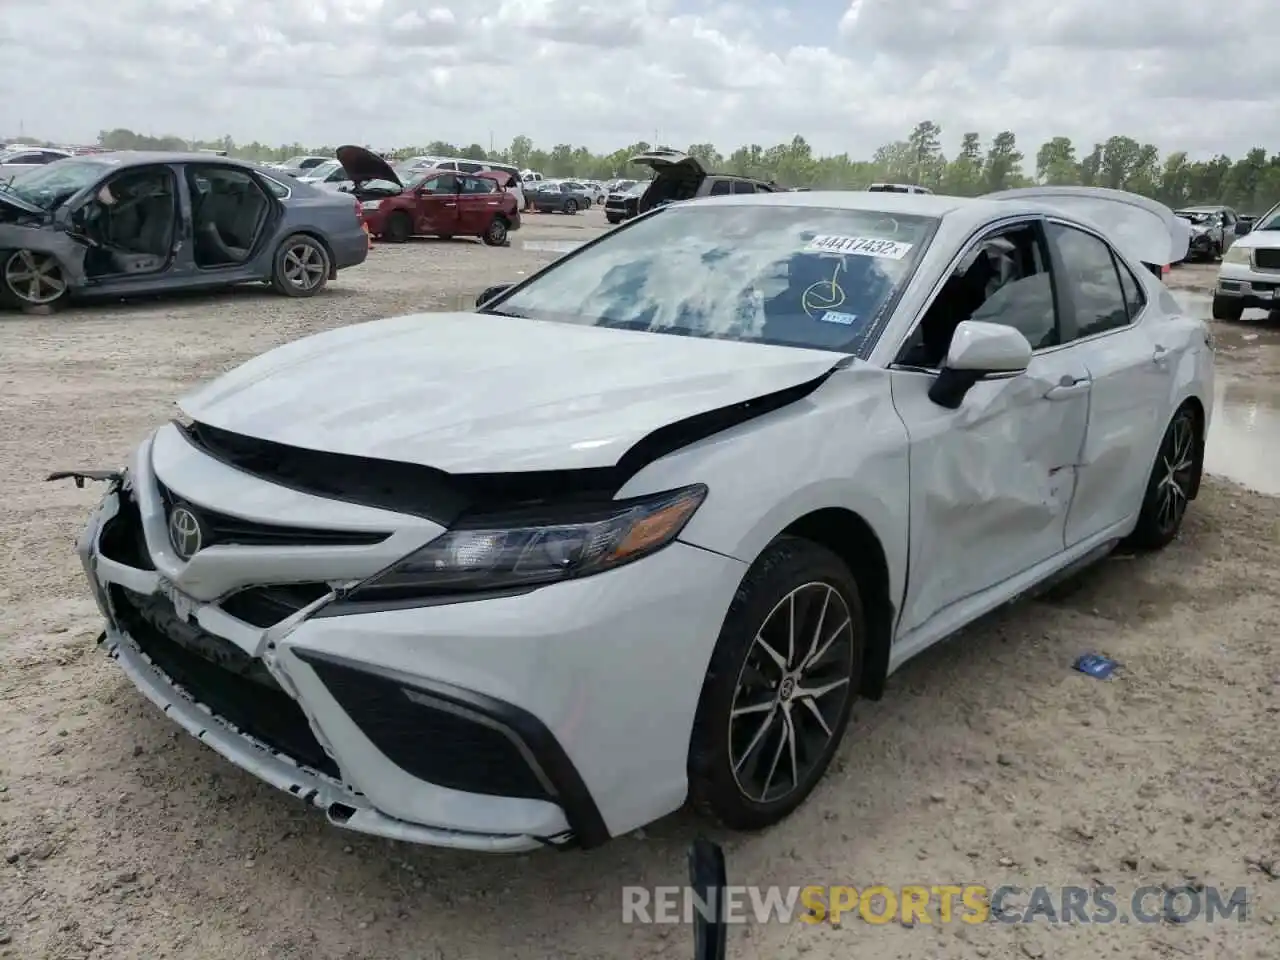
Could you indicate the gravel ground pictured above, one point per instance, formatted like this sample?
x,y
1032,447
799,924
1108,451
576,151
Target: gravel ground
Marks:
x,y
989,760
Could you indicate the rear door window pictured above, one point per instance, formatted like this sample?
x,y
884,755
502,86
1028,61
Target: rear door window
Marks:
x,y
720,188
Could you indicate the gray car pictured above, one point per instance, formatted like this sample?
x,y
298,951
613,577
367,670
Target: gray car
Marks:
x,y
1213,229
117,224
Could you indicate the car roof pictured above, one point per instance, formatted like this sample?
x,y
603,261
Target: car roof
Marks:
x,y
134,158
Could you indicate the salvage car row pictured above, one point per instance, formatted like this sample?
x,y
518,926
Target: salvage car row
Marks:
x,y
122,224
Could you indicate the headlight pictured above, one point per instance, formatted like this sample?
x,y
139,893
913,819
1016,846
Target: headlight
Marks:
x,y
519,550
1236,254
371,205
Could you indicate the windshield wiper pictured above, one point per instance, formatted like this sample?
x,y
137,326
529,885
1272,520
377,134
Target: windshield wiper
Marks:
x,y
493,312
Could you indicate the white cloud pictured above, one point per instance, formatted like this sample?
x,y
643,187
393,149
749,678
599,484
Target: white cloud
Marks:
x,y
604,73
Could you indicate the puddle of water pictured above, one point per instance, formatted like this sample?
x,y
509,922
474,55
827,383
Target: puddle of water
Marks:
x,y
1244,437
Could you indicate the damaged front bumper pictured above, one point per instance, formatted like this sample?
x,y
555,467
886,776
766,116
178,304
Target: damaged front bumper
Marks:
x,y
343,804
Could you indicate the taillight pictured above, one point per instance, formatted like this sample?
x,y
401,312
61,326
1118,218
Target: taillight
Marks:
x,y
359,210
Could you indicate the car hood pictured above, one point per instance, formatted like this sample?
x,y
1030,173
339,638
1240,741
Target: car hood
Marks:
x,y
362,165
481,393
1141,228
13,202
1254,239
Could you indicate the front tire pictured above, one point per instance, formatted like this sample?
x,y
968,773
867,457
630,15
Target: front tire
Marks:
x,y
780,686
612,219
571,207
30,279
1225,308
1174,481
399,228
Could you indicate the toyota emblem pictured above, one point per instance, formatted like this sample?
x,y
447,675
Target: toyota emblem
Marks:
x,y
185,532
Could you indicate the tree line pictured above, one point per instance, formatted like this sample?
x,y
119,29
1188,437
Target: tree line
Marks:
x,y
1250,184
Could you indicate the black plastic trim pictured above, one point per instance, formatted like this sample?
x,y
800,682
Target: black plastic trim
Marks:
x,y
580,810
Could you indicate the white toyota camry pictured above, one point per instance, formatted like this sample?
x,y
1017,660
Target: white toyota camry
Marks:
x,y
640,529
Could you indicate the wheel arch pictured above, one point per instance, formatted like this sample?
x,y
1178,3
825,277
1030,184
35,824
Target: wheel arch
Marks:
x,y
1197,407
850,537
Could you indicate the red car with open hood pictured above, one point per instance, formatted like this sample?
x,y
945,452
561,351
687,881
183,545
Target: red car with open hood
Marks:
x,y
440,203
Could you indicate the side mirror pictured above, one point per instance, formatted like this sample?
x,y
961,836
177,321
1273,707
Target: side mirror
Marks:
x,y
490,293
1242,228
978,350
708,879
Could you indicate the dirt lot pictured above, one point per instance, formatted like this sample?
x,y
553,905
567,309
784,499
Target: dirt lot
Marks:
x,y
988,761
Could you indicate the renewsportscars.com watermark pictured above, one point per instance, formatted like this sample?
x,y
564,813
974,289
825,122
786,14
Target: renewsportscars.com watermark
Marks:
x,y
940,904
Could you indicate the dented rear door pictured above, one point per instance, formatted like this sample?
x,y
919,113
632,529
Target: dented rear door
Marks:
x,y
991,481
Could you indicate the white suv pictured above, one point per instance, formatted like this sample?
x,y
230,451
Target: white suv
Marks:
x,y
1250,271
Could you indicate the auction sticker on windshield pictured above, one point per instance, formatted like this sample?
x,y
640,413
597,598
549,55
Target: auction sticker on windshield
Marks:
x,y
859,246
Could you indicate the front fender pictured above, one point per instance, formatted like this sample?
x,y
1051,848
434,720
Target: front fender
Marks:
x,y
42,239
842,446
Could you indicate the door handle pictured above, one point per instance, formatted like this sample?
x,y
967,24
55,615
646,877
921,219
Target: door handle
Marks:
x,y
450,204
1068,388
1160,355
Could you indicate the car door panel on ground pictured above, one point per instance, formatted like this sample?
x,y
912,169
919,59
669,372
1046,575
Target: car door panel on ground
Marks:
x,y
1128,362
991,481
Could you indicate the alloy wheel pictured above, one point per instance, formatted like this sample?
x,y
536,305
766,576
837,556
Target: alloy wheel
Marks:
x,y
34,278
791,691
1176,471
304,266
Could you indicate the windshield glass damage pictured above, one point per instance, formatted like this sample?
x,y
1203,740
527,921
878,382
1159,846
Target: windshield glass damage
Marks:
x,y
50,185
793,276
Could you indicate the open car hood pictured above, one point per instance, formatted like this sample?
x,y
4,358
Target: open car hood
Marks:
x,y
661,160
483,393
364,165
1141,228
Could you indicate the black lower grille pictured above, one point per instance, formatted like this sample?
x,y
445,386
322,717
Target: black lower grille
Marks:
x,y
122,539
433,740
1267,258
218,674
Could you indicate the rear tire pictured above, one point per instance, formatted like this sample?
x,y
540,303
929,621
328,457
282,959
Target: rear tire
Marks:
x,y
1174,481
301,267
1225,308
613,219
399,228
496,234
753,709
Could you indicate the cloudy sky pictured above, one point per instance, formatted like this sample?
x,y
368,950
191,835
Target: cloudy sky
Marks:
x,y
847,74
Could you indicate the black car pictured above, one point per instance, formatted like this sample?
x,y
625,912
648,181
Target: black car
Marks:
x,y
119,224
678,176
623,202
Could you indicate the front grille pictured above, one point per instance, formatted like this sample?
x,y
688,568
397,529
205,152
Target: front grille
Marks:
x,y
218,674
433,740
266,606
1267,259
222,528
